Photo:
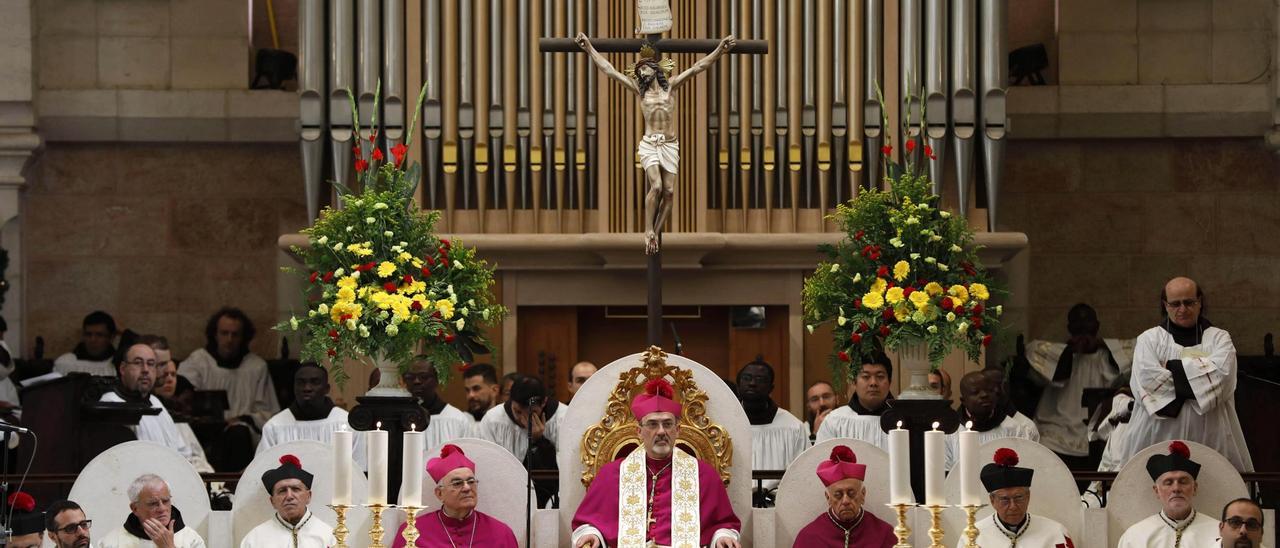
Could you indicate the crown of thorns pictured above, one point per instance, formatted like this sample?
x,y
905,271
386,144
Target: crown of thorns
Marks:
x,y
647,52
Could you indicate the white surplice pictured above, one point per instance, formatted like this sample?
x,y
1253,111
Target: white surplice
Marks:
x,y
1060,416
1158,532
276,533
1210,418
120,538
162,430
249,388
843,422
498,428
775,445
284,427
448,425
1017,426
69,363
1041,532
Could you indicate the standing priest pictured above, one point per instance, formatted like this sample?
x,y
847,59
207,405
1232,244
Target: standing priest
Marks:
x,y
846,523
669,498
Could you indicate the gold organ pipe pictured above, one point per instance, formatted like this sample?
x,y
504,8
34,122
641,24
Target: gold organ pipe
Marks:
x,y
770,112
480,24
824,104
795,52
854,91
558,156
536,101
449,111
744,115
510,94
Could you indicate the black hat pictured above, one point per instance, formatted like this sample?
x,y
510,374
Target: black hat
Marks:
x,y
1179,458
26,520
290,468
1003,472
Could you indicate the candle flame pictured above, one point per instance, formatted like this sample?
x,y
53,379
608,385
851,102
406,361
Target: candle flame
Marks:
x,y
968,425
899,424
379,425
936,424
413,427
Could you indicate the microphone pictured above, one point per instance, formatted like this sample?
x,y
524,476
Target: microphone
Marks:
x,y
676,336
6,427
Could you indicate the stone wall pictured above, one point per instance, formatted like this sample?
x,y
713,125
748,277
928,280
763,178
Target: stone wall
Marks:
x,y
160,236
1110,221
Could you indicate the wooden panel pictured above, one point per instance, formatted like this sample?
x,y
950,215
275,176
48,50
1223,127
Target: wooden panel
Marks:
x,y
603,339
552,332
771,344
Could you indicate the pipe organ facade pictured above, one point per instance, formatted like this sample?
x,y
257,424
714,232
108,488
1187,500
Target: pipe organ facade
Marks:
x,y
517,140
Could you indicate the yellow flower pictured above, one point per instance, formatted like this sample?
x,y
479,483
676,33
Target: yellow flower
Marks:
x,y
979,292
417,263
893,295
921,316
933,289
958,293
347,281
445,307
386,269
879,286
361,250
873,300
902,312
920,299
404,256
900,270
418,286
342,309
346,295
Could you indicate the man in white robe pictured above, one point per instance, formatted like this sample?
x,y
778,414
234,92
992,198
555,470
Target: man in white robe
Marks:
x,y
227,364
981,410
777,436
137,375
293,525
1242,523
819,401
95,352
1184,380
1178,525
448,423
153,522
860,419
480,380
313,416
528,414
1009,488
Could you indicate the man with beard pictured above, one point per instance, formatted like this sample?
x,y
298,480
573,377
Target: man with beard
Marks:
x,y
777,436
981,410
457,522
819,400
313,416
447,422
528,415
1241,525
293,525
225,363
1178,524
845,524
480,380
860,419
137,366
654,511
93,354
153,520
1009,489
66,525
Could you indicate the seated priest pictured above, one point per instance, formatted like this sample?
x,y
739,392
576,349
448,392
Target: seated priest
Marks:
x,y
1065,370
845,524
1009,489
529,413
672,498
457,522
777,436
313,416
981,409
23,521
153,522
447,422
66,525
480,380
1178,524
293,525
94,352
1241,525
137,370
860,419
819,400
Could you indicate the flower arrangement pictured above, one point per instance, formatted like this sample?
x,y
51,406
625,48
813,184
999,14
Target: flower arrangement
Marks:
x,y
381,284
906,274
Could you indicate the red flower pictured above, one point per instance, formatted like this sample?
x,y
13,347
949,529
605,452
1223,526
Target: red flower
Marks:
x,y
855,338
866,250
928,151
1178,448
891,285
368,266
968,268
449,338
887,314
328,276
946,303
959,310
446,243
884,331
431,261
333,334
978,308
863,327
883,271
859,234
361,165
398,152
1006,457
444,262
857,303
390,287
408,278
315,276
911,145
344,317
356,150
986,340
426,272
844,356
416,305
886,150
436,314
875,254
332,352
377,154
976,321
373,136
907,291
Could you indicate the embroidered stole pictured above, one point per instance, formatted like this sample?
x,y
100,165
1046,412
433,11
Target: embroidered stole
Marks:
x,y
633,498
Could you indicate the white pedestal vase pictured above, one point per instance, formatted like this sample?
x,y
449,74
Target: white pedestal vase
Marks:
x,y
914,366
388,380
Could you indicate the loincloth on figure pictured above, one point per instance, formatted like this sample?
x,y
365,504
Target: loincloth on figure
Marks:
x,y
656,150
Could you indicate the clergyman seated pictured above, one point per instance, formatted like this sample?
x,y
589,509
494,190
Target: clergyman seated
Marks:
x,y
457,522
846,523
293,525
153,520
1178,523
1009,488
24,522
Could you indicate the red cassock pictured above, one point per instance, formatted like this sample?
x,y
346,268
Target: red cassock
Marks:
x,y
823,532
435,530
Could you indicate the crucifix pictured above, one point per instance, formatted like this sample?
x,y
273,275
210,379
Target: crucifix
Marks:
x,y
659,151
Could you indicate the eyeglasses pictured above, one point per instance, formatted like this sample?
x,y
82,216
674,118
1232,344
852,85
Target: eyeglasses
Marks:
x,y
71,528
1188,303
1016,499
457,484
1251,525
139,362
653,425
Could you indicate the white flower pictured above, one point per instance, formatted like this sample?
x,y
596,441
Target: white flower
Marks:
x,y
337,246
388,233
323,240
962,327
471,302
951,316
322,309
384,315
944,214
810,328
350,228
364,331
449,290
464,311
835,268
393,329
999,309
841,321
460,323
935,238
351,324
943,267
926,232
912,220
932,329
956,249
930,260
310,314
370,220
895,242
485,314
355,274
857,277
458,265
339,272
379,205
915,256
293,323
453,299
402,244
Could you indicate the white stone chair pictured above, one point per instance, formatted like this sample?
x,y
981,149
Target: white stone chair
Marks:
x,y
800,493
1053,491
251,505
102,487
591,405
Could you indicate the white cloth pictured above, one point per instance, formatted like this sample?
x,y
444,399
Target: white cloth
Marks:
x,y
9,393
162,430
655,149
1060,416
69,363
249,388
1155,532
274,534
775,445
498,428
197,450
1017,426
1041,532
284,428
119,538
843,422
1110,462
1209,419
448,425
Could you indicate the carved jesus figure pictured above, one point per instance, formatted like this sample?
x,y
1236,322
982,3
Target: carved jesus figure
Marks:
x,y
659,150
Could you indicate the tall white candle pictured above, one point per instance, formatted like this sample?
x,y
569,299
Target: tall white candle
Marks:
x,y
377,441
415,444
934,442
970,491
342,465
900,467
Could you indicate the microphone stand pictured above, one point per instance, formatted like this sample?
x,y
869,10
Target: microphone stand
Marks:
x,y
528,469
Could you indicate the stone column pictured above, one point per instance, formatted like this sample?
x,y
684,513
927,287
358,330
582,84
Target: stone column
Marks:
x,y
18,144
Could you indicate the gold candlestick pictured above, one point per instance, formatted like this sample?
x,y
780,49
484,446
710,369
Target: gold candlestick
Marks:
x,y
902,530
935,531
340,529
375,533
971,530
410,533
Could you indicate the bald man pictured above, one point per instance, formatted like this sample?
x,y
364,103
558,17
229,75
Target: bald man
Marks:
x,y
578,375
